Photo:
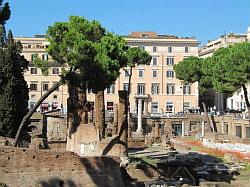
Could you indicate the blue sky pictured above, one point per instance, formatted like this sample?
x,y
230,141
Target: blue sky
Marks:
x,y
204,19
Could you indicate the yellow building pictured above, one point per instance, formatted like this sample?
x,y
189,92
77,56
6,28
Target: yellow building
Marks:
x,y
154,86
37,82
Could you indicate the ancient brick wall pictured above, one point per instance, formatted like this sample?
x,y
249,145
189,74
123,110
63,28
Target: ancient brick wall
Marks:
x,y
24,167
85,142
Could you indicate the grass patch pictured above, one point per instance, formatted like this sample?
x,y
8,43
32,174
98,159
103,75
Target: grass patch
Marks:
x,y
195,148
143,160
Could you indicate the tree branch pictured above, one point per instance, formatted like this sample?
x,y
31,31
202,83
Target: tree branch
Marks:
x,y
31,112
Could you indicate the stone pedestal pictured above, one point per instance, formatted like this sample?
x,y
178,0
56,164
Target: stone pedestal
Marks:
x,y
139,117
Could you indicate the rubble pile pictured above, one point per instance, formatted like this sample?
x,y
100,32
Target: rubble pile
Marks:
x,y
238,147
206,168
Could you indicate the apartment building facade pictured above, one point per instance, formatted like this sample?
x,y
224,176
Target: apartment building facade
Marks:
x,y
236,101
154,85
37,82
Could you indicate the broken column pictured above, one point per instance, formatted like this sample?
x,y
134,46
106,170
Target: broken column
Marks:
x,y
123,121
202,129
157,130
182,129
139,117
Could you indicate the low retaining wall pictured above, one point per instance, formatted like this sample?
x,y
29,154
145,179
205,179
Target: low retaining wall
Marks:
x,y
24,167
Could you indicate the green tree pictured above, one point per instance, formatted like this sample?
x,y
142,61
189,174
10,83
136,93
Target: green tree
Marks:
x,y
93,57
13,87
4,12
194,69
231,69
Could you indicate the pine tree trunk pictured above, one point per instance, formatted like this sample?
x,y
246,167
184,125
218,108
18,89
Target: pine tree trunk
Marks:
x,y
31,112
207,116
123,121
100,114
246,100
82,104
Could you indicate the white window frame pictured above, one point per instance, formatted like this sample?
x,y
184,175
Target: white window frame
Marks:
x,y
170,49
170,61
157,73
33,69
141,70
154,59
154,102
139,90
154,49
172,89
172,111
126,75
155,88
170,73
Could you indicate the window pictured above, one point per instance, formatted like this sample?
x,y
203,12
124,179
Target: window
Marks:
x,y
29,46
125,86
238,131
155,88
33,71
169,107
141,73
154,73
154,107
126,73
247,132
170,49
142,47
186,89
45,86
111,89
110,106
170,61
140,89
33,57
54,83
154,61
170,88
55,96
154,49
144,35
33,87
186,49
55,71
186,105
45,57
170,73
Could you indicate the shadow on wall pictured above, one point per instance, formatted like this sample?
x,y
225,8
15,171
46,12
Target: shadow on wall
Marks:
x,y
56,182
101,166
